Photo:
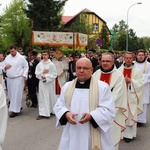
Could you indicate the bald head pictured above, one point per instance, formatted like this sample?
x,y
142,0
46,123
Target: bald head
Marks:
x,y
84,69
84,60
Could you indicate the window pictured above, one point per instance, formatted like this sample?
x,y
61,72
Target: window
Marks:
x,y
95,26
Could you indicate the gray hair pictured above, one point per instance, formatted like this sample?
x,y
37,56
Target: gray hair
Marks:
x,y
108,53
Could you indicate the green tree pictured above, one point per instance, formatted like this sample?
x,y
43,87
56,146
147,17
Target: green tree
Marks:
x,y
133,42
122,25
15,26
121,42
104,36
45,14
146,41
141,43
92,41
120,38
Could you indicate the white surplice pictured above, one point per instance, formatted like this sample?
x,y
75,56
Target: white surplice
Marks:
x,y
62,67
77,137
2,65
118,87
145,69
3,115
15,80
47,97
134,100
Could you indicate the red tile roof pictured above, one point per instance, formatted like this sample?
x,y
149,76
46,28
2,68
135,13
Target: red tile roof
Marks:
x,y
65,19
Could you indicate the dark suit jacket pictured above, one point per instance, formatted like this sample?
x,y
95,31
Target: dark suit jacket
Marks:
x,y
94,62
31,72
71,70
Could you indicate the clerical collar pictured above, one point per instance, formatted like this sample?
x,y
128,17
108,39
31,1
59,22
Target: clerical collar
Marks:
x,y
140,61
128,66
83,85
107,70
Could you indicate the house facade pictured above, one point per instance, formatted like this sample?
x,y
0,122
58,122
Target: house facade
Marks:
x,y
95,22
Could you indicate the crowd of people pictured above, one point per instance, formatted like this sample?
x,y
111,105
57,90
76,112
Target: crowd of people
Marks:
x,y
101,98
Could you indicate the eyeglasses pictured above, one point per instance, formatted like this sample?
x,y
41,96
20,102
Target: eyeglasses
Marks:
x,y
106,61
83,68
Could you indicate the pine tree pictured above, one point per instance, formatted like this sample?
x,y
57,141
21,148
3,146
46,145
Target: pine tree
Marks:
x,y
45,14
104,37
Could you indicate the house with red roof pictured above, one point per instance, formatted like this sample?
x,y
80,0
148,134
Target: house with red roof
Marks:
x,y
93,19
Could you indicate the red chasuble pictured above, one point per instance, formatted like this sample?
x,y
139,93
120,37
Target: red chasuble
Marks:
x,y
127,73
106,78
58,89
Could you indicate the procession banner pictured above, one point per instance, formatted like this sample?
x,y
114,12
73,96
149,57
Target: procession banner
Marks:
x,y
83,39
59,38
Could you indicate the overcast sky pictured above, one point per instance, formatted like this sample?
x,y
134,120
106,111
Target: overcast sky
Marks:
x,y
112,11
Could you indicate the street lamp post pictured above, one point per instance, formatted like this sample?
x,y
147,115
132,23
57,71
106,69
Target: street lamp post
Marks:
x,y
127,24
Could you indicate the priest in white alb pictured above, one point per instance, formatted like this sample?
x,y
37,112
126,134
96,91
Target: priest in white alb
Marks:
x,y
16,68
46,73
87,110
115,79
62,64
134,84
144,67
3,115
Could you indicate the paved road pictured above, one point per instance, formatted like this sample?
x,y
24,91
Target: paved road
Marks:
x,y
26,133
142,141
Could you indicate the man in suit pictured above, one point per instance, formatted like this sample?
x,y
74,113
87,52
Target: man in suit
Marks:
x,y
92,58
72,65
32,81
